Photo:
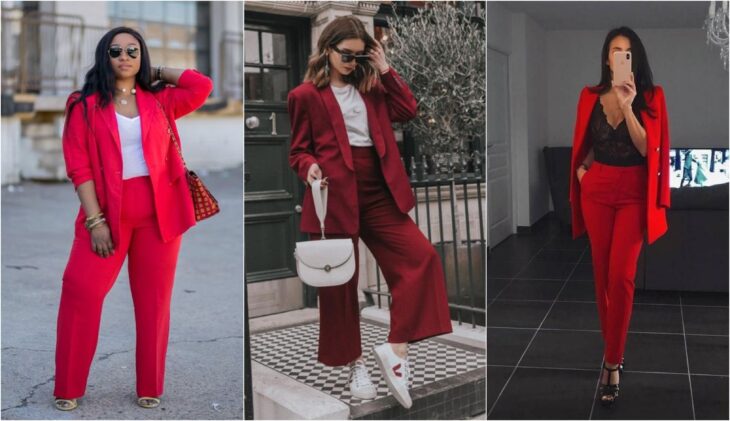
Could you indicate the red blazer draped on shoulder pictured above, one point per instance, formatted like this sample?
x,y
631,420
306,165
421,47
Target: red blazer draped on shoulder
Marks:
x,y
92,151
657,161
318,135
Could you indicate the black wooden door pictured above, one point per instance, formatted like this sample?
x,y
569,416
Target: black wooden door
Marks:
x,y
276,48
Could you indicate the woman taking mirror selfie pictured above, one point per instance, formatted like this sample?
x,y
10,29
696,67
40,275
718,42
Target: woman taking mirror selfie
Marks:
x,y
341,134
620,184
135,201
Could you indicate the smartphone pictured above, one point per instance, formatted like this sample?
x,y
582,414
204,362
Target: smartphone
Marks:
x,y
621,67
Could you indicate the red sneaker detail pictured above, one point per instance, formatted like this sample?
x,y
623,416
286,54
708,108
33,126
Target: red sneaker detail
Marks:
x,y
395,370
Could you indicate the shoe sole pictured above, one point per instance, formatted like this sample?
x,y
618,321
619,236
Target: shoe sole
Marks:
x,y
152,402
608,403
73,406
391,386
365,398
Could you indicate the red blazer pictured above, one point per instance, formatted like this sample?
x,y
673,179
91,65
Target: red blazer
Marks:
x,y
93,152
657,161
318,134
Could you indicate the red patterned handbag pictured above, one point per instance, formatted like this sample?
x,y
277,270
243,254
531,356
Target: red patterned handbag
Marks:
x,y
204,203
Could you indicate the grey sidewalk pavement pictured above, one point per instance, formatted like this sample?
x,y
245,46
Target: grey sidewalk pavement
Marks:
x,y
204,376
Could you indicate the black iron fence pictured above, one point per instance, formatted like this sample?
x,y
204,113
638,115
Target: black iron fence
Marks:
x,y
450,205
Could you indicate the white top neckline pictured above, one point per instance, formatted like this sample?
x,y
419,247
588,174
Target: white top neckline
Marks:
x,y
128,118
354,112
130,137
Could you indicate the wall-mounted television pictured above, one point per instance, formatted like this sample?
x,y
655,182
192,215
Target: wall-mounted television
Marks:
x,y
696,167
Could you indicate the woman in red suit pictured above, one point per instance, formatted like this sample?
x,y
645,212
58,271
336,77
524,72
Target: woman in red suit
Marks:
x,y
135,202
341,133
620,187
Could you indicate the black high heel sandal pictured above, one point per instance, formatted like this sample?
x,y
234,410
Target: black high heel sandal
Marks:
x,y
609,392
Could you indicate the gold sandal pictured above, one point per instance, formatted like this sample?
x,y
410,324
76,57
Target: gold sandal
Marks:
x,y
66,404
148,402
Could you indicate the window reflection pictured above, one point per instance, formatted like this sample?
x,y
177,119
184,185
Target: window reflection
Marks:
x,y
169,28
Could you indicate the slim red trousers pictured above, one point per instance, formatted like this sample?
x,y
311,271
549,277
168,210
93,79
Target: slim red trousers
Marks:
x,y
614,209
411,266
89,277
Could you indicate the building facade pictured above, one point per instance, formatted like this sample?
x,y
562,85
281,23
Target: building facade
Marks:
x,y
47,48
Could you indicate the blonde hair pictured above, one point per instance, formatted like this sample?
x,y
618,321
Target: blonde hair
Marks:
x,y
365,75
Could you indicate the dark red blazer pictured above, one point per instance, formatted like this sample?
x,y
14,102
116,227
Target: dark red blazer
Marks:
x,y
318,134
93,152
657,161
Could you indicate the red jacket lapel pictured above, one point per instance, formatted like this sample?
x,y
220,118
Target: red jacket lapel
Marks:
x,y
108,114
338,123
147,108
374,125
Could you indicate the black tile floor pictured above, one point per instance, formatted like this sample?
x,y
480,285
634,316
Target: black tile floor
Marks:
x,y
544,346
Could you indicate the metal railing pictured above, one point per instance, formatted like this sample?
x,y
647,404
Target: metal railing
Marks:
x,y
45,52
450,205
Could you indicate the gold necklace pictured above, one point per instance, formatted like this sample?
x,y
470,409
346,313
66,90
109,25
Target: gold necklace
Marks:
x,y
123,101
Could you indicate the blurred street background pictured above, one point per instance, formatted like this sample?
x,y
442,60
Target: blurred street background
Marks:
x,y
204,376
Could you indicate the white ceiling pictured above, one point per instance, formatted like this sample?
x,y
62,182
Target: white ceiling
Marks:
x,y
604,15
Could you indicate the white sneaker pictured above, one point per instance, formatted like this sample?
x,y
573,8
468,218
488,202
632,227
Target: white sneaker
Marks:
x,y
395,370
360,384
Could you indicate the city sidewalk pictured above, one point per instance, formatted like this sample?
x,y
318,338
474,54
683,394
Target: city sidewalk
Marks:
x,y
204,376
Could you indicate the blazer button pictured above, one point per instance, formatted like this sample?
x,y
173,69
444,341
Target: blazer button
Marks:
x,y
657,149
659,173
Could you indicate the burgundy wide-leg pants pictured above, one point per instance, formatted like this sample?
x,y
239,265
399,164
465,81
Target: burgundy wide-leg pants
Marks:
x,y
409,262
613,200
89,277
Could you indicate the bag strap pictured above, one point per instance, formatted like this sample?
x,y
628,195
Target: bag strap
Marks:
x,y
320,203
171,133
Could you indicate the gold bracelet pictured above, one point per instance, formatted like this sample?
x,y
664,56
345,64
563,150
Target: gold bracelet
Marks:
x,y
95,224
98,215
94,221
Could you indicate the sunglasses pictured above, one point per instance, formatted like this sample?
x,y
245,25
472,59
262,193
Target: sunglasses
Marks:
x,y
115,51
348,57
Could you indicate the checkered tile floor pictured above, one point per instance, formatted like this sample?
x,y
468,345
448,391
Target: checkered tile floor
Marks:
x,y
293,352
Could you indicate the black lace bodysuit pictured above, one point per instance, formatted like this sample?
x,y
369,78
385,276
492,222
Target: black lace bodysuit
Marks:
x,y
612,146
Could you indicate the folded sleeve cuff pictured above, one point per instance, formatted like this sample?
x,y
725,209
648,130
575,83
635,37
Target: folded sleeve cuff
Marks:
x,y
80,177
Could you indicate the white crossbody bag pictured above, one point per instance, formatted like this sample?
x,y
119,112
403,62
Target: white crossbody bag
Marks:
x,y
324,263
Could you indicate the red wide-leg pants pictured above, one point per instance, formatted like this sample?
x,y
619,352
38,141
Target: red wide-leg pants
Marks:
x,y
409,262
89,277
613,200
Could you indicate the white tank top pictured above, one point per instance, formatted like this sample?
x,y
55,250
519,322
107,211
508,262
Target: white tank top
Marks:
x,y
355,115
130,136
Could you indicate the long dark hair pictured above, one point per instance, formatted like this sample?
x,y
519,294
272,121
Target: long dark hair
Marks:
x,y
101,79
639,65
364,77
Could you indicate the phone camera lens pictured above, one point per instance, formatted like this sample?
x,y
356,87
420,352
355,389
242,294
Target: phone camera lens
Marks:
x,y
628,56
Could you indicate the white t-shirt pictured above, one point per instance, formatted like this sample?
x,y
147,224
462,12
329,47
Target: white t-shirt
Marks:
x,y
130,136
354,113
